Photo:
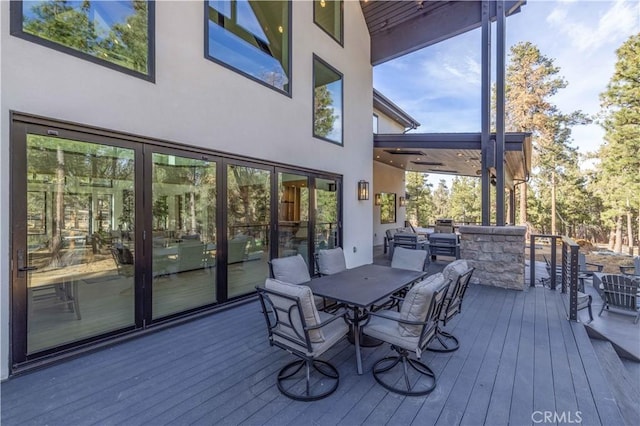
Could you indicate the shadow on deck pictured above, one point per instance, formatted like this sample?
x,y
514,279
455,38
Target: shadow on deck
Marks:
x,y
519,358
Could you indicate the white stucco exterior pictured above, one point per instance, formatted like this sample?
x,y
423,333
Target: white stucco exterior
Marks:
x,y
197,102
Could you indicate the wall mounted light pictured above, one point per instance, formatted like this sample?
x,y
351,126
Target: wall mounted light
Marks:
x,y
402,201
377,200
363,190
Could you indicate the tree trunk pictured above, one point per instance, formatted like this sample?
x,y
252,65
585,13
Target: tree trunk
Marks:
x,y
58,225
629,232
523,204
618,246
553,203
612,239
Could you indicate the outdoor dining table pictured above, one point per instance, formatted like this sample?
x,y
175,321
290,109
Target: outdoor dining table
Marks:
x,y
360,288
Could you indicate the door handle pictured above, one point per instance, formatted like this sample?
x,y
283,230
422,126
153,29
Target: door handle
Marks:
x,y
22,267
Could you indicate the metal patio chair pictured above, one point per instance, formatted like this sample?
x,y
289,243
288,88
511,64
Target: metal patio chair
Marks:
x,y
295,325
410,330
330,261
459,273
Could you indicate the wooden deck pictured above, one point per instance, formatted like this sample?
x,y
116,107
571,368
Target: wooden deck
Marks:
x,y
519,357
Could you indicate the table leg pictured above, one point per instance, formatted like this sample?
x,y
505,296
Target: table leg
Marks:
x,y
356,340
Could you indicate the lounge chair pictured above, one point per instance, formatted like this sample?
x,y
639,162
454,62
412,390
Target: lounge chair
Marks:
x,y
634,269
621,295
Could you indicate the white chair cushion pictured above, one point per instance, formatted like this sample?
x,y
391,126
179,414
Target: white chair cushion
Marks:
x,y
416,304
309,311
331,261
291,269
333,332
452,271
404,258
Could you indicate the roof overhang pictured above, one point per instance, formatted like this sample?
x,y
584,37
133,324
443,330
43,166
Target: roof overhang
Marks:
x,y
393,111
401,27
457,154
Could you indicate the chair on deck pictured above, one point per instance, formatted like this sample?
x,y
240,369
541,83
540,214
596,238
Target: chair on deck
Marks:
x,y
123,259
621,294
330,261
295,325
459,273
404,258
586,268
409,241
293,270
410,330
633,270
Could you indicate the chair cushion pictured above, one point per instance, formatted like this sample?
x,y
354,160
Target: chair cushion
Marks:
x,y
309,311
291,269
452,271
404,258
416,304
331,261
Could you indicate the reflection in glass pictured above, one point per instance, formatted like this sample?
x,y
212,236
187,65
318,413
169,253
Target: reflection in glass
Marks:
x,y
328,14
327,102
293,215
387,207
184,234
248,219
251,36
114,31
327,231
83,284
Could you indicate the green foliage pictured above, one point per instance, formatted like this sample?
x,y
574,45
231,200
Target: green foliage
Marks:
x,y
420,207
323,112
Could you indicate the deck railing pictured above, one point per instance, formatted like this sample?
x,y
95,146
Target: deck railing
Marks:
x,y
568,268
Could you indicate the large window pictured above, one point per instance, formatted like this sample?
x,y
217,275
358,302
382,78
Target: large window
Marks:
x,y
327,102
252,37
112,33
328,14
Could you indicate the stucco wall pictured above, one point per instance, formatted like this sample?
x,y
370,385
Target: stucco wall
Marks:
x,y
197,102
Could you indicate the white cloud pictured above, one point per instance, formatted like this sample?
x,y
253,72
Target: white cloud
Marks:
x,y
621,19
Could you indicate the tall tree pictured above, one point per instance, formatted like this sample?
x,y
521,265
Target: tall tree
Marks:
x,y
466,201
531,80
620,158
420,207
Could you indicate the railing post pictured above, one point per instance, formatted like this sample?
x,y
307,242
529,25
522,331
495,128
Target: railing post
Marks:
x,y
573,295
532,260
553,262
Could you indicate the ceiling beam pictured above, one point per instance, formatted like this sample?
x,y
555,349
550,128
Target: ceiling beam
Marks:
x,y
425,30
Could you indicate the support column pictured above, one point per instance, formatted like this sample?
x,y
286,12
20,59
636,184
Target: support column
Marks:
x,y
500,111
485,183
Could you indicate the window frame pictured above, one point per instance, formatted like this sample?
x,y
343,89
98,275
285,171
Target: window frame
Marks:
x,y
313,99
15,28
340,41
230,67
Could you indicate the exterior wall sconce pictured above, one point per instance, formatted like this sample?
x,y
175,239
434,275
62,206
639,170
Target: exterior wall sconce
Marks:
x,y
363,190
402,201
377,200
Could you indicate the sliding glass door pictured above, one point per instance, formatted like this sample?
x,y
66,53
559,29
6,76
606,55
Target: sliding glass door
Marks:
x,y
293,215
327,214
248,218
74,242
183,235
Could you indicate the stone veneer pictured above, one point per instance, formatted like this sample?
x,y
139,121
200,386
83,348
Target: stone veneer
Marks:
x,y
497,253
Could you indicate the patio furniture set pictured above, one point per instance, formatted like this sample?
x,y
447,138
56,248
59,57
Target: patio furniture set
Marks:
x,y
370,305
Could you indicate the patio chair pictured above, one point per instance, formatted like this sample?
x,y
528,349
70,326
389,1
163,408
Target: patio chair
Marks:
x,y
123,259
295,325
410,330
404,258
293,270
409,241
330,261
459,273
634,269
621,295
587,268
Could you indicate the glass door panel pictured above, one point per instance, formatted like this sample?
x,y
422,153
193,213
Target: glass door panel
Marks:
x,y
327,214
184,234
80,248
248,226
293,215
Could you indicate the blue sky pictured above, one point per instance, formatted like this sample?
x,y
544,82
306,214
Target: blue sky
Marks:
x,y
440,85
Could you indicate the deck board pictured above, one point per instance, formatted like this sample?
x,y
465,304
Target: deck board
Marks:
x,y
518,354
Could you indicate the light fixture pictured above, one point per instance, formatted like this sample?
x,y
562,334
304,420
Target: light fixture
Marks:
x,y
322,3
377,200
403,202
363,190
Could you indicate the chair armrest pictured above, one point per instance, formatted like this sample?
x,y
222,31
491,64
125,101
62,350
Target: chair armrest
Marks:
x,y
627,270
382,315
335,316
598,266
